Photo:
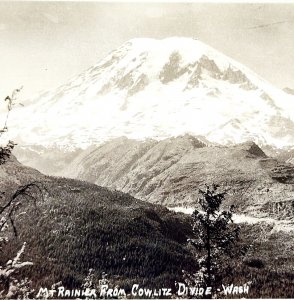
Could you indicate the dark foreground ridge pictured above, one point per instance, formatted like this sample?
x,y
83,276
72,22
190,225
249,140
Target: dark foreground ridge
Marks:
x,y
80,226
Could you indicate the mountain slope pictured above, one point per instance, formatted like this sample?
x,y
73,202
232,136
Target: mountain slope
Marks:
x,y
156,89
79,226
170,171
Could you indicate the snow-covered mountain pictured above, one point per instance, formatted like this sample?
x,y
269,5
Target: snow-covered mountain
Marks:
x,y
159,88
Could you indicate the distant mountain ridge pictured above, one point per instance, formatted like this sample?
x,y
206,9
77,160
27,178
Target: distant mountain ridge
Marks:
x,y
156,89
170,171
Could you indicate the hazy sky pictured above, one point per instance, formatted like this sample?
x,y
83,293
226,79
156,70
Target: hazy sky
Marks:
x,y
43,44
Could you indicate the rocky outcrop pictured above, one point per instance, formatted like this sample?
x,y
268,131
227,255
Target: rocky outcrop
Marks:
x,y
288,90
283,209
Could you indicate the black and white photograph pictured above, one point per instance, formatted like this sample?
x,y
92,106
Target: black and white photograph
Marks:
x,y
146,150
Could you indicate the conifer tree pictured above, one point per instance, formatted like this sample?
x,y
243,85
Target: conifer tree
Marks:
x,y
215,237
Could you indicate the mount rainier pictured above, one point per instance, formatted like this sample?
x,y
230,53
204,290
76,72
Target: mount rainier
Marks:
x,y
157,89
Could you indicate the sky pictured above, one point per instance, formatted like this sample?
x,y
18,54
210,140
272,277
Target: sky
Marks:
x,y
44,44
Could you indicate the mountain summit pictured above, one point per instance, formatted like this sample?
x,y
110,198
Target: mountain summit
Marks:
x,y
151,88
